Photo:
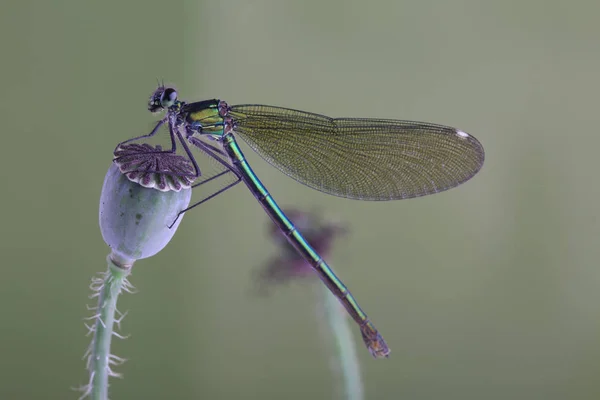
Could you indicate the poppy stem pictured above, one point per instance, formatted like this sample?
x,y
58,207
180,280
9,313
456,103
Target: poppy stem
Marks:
x,y
99,360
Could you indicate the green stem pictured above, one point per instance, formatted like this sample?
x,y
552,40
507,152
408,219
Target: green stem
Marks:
x,y
346,360
100,361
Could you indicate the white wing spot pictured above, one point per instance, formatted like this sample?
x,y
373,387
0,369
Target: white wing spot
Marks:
x,y
462,134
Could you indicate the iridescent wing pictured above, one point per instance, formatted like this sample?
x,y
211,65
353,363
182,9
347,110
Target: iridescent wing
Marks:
x,y
366,159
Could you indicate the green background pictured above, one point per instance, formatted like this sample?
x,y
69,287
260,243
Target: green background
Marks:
x,y
488,291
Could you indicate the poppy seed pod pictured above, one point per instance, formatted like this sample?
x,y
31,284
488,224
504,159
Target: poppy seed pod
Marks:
x,y
139,211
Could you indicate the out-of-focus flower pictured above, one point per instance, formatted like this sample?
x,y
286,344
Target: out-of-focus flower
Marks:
x,y
289,265
320,233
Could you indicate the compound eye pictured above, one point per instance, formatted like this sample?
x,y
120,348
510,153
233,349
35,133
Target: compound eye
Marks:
x,y
168,98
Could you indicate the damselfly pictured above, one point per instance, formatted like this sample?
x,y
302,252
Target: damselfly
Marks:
x,y
357,158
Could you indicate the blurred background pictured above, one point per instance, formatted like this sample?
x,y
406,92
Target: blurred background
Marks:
x,y
490,290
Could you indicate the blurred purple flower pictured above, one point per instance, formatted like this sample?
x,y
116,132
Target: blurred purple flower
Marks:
x,y
289,265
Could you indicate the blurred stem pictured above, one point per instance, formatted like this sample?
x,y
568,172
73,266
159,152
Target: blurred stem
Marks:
x,y
100,359
346,361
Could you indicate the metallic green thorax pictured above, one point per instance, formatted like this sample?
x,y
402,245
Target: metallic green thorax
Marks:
x,y
204,116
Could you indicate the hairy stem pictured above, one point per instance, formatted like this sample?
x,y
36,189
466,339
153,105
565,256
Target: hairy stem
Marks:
x,y
99,360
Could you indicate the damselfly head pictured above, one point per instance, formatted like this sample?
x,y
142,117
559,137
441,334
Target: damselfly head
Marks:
x,y
163,97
